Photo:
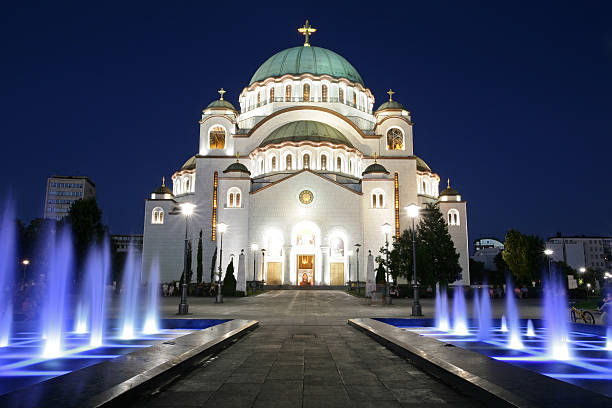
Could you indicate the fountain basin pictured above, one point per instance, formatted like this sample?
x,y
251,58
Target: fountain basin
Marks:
x,y
496,374
21,364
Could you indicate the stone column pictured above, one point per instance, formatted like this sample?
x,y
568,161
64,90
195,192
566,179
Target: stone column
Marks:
x,y
287,265
370,276
241,281
325,279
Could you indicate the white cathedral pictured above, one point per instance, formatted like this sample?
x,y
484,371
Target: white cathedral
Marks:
x,y
300,174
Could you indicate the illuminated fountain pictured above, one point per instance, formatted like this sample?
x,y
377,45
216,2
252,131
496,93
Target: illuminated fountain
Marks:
x,y
58,274
484,321
98,279
129,295
555,318
151,325
7,272
442,318
530,329
513,318
609,339
503,326
459,312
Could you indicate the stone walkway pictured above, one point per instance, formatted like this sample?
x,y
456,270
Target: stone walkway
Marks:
x,y
303,362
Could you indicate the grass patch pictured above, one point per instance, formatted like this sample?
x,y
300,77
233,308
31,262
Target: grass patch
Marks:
x,y
362,292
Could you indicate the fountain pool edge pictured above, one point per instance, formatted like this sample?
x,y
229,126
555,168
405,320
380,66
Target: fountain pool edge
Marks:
x,y
493,382
125,378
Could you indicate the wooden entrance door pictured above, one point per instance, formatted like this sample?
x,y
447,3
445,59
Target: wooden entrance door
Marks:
x,y
274,274
305,270
336,273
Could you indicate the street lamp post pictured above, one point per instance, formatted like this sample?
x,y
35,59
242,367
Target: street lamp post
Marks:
x,y
549,253
25,264
254,250
357,246
187,211
387,228
413,212
222,227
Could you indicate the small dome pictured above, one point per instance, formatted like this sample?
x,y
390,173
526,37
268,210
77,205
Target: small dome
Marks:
x,y
422,166
306,60
448,191
303,130
237,167
390,105
221,103
374,168
162,190
189,164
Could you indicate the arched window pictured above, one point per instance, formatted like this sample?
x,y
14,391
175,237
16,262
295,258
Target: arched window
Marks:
x,y
341,95
157,216
217,138
424,188
233,197
355,98
288,93
271,94
395,139
306,93
306,161
338,164
453,217
337,247
323,162
288,162
350,167
258,98
273,162
187,185
324,93
378,198
261,166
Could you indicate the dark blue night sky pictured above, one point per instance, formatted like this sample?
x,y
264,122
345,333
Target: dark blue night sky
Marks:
x,y
513,101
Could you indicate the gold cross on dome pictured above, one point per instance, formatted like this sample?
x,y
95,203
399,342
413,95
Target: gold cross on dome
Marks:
x,y
163,181
307,31
221,92
237,157
375,156
390,94
448,182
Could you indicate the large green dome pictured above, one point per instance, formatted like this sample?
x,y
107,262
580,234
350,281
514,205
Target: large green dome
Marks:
x,y
306,60
303,130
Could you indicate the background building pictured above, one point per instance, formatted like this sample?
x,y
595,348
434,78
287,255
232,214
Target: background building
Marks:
x,y
62,191
485,251
124,243
582,251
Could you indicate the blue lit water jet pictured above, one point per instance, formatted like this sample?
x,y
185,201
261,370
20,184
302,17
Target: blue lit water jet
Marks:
x,y
530,329
57,290
442,318
459,312
98,272
503,326
129,295
555,318
484,325
7,273
513,318
152,315
609,339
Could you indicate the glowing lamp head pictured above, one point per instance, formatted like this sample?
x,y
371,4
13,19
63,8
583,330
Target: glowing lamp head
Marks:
x,y
222,227
582,269
413,210
349,252
387,228
548,252
187,208
254,247
25,262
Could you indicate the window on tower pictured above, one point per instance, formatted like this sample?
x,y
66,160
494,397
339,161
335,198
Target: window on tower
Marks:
x,y
306,93
453,217
217,138
233,197
378,198
273,162
395,139
339,164
323,162
157,216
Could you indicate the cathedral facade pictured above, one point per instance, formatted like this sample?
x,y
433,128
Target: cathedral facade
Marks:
x,y
300,173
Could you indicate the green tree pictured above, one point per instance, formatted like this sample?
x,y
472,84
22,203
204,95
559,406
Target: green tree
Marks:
x,y
478,272
437,259
498,276
85,219
524,256
188,267
213,263
380,274
200,266
229,281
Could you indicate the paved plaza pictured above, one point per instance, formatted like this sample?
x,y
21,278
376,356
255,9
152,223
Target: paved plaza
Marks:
x,y
305,354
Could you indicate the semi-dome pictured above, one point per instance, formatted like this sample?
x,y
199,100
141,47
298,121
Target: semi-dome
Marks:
x,y
189,164
162,190
375,168
306,60
306,130
237,167
390,105
421,165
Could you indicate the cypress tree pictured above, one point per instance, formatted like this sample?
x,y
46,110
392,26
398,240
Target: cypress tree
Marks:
x,y
200,266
